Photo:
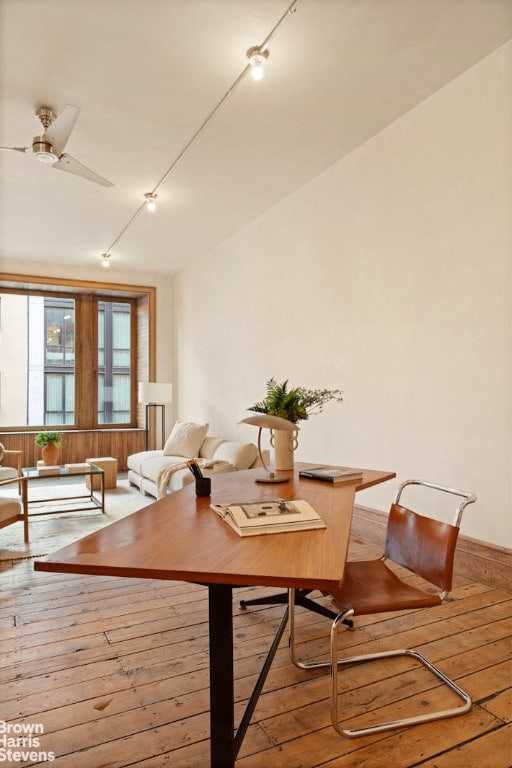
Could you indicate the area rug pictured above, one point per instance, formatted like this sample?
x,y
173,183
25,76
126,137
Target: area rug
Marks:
x,y
50,532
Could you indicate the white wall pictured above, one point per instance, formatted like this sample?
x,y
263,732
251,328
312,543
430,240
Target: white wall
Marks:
x,y
388,276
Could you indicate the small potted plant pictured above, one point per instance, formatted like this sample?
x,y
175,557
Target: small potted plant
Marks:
x,y
50,444
294,404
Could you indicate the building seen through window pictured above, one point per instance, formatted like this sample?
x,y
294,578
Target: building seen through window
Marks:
x,y
43,344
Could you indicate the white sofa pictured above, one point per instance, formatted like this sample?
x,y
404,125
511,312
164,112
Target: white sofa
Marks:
x,y
186,441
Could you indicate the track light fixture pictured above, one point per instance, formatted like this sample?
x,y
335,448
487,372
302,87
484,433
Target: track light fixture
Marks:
x,y
150,201
257,58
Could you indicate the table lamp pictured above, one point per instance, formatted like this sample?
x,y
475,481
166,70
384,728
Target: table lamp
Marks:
x,y
264,421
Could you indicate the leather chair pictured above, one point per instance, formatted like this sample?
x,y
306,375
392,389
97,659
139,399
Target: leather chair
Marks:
x,y
424,546
15,510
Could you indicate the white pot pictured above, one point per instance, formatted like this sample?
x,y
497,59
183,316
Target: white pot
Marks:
x,y
284,444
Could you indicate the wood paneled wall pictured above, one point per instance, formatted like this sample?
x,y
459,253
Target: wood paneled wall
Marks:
x,y
78,445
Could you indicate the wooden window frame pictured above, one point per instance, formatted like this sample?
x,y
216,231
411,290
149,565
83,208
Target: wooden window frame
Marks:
x,y
87,294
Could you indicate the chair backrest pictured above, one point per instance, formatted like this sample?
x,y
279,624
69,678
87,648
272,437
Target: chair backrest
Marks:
x,y
422,544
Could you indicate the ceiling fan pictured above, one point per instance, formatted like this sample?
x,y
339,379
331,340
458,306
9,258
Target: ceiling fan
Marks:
x,y
49,147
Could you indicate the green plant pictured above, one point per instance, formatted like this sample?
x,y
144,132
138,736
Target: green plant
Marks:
x,y
43,438
294,404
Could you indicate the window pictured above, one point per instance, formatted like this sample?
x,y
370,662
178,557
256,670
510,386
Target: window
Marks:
x,y
70,359
113,362
59,364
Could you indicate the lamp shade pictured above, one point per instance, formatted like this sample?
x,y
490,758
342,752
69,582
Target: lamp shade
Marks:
x,y
153,392
270,422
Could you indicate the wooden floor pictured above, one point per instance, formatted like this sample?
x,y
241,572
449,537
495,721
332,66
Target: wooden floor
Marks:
x,y
114,673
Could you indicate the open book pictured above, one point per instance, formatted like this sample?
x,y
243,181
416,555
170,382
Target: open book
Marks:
x,y
252,518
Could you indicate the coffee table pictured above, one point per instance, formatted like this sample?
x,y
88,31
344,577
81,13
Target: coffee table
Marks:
x,y
95,501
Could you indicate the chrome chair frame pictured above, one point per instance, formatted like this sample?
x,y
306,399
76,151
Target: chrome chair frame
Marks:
x,y
334,663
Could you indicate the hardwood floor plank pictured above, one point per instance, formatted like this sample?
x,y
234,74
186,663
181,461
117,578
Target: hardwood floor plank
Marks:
x,y
492,750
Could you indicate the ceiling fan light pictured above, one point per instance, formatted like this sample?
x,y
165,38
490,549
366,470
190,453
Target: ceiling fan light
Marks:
x,y
43,151
150,201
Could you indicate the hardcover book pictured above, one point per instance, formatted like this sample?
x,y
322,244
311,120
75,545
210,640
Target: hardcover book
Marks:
x,y
51,469
332,474
80,467
253,518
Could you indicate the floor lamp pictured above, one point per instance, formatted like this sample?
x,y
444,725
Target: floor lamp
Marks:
x,y
155,395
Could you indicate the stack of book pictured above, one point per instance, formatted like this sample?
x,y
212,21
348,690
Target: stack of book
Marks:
x,y
253,518
48,469
82,466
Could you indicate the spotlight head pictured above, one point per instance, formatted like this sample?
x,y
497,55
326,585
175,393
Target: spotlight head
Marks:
x,y
257,58
150,201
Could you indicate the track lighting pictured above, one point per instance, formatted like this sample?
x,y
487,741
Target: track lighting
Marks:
x,y
105,260
151,201
257,58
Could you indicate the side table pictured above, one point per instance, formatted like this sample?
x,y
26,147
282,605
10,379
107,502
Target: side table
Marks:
x,y
109,466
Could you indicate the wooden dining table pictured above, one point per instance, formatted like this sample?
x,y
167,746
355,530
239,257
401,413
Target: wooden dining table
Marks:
x,y
180,538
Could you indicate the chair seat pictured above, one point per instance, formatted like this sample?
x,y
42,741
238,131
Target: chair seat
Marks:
x,y
369,586
9,510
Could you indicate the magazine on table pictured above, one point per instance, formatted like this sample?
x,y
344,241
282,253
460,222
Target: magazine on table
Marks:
x,y
252,518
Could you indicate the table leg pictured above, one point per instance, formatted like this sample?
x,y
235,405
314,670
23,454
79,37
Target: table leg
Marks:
x,y
102,484
224,742
222,719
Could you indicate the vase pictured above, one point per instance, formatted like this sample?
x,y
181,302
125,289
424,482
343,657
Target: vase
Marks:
x,y
50,454
284,444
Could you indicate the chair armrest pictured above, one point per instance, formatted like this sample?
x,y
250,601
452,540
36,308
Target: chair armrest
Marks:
x,y
22,481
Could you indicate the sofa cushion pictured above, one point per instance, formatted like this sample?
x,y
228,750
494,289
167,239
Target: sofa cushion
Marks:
x,y
209,446
185,439
136,460
242,455
152,466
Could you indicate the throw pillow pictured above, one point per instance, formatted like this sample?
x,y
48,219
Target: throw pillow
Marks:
x,y
242,455
185,439
209,446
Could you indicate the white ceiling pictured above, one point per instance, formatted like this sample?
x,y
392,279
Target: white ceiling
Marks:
x,y
146,74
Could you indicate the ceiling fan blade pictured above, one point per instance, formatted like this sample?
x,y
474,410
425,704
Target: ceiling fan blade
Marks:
x,y
17,149
59,131
69,164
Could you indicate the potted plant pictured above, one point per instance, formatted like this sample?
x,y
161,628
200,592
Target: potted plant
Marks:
x,y
295,405
50,444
